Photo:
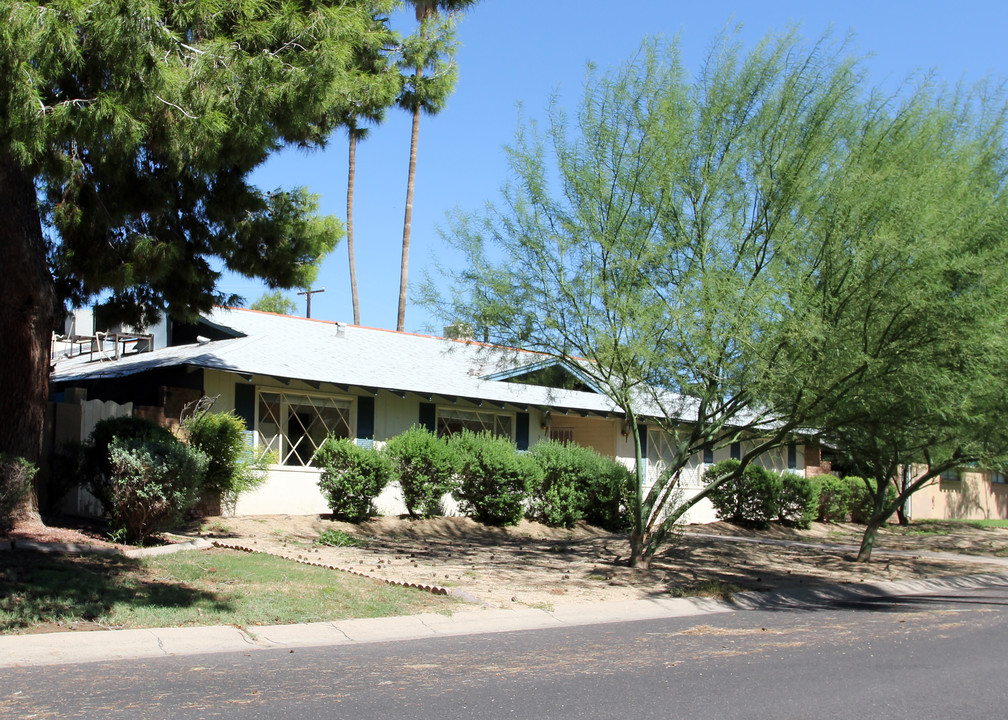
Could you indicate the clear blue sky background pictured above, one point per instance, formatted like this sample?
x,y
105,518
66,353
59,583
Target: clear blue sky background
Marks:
x,y
522,51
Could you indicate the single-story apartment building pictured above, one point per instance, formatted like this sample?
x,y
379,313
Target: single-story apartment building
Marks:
x,y
296,381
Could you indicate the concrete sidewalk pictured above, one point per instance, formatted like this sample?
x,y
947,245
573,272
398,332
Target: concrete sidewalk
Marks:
x,y
84,647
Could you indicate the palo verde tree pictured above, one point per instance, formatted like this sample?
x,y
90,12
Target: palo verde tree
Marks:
x,y
648,244
903,292
127,134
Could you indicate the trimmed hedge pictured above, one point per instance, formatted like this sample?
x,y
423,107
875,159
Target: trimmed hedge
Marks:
x,y
494,479
798,501
425,467
352,477
751,498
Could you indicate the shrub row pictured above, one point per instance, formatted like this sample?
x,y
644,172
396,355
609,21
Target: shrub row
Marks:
x,y
557,484
758,496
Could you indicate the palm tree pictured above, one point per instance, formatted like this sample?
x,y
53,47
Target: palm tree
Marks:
x,y
430,48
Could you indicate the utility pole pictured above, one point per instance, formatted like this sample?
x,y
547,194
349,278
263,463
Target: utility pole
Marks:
x,y
308,292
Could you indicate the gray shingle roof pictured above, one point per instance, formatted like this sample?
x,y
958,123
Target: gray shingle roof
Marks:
x,y
325,352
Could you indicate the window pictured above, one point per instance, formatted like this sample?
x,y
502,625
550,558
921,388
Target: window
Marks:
x,y
562,434
951,476
452,421
792,456
998,476
736,451
294,425
708,456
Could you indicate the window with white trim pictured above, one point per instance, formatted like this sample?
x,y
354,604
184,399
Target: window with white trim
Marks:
x,y
451,421
294,425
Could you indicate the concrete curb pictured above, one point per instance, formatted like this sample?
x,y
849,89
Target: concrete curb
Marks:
x,y
85,647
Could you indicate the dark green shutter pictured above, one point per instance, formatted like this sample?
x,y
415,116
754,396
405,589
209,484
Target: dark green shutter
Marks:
x,y
244,404
522,430
428,416
642,430
792,456
736,451
365,417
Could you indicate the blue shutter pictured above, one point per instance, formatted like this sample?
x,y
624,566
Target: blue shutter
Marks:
x,y
428,416
792,456
522,430
244,404
365,417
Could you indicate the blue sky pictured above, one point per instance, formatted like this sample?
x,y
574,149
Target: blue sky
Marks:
x,y
523,51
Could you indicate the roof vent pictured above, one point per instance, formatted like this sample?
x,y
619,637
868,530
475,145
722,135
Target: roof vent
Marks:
x,y
340,330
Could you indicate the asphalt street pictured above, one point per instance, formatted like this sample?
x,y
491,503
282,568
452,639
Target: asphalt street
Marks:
x,y
939,655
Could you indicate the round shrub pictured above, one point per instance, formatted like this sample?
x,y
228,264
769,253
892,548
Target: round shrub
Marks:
x,y
232,467
424,465
558,499
352,477
95,462
798,501
834,499
494,479
608,496
151,484
751,498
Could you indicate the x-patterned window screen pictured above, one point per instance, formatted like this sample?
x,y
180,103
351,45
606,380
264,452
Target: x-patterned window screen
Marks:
x,y
294,425
453,421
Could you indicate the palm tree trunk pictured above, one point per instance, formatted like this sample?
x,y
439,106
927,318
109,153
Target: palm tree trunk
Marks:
x,y
351,173
27,312
408,218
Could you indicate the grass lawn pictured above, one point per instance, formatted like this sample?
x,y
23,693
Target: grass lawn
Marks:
x,y
40,592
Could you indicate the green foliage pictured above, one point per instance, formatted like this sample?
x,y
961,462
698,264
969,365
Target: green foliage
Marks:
x,y
352,477
96,465
274,301
494,479
425,466
16,477
579,484
338,538
609,495
798,502
751,498
232,467
151,484
559,498
862,498
834,498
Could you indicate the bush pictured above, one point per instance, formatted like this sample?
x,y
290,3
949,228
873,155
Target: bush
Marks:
x,y
352,477
95,462
494,479
750,499
150,485
834,499
425,468
558,499
609,495
232,467
16,476
798,501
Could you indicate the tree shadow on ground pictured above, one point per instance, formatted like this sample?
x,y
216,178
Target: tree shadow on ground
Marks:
x,y
39,588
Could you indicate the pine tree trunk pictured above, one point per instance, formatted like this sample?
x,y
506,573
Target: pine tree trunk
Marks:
x,y
408,218
351,173
27,312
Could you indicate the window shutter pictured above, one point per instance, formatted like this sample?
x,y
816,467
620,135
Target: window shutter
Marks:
x,y
244,403
642,431
428,417
736,451
522,430
365,418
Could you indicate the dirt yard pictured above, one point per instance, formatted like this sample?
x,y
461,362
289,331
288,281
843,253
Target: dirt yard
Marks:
x,y
538,566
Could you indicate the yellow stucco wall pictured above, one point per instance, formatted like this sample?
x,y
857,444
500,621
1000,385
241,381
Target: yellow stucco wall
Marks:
x,y
972,497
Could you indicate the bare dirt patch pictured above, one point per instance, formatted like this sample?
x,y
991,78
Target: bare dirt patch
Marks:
x,y
539,566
